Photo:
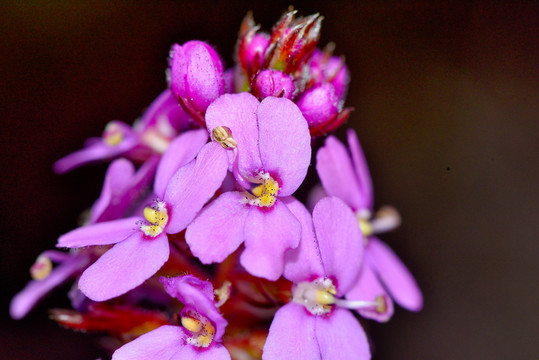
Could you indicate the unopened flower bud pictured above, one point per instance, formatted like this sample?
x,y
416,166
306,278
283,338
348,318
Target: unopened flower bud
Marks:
x,y
324,68
273,83
319,105
196,76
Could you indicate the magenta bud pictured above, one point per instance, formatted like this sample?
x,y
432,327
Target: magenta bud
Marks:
x,y
255,50
196,76
337,74
273,83
324,68
319,105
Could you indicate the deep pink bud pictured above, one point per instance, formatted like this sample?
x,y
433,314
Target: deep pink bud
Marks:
x,y
325,68
319,105
273,83
254,50
196,76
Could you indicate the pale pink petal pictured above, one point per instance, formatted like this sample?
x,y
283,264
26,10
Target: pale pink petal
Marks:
x,y
362,170
181,150
215,351
194,184
340,242
218,230
284,142
368,288
269,233
238,113
292,335
125,266
161,343
398,280
304,262
340,336
105,233
336,173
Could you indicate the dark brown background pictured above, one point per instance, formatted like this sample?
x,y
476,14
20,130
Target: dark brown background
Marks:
x,y
446,98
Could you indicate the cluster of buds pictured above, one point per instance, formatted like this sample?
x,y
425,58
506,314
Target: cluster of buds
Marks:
x,y
197,243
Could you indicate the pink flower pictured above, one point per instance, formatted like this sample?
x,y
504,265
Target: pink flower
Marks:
x,y
270,161
325,266
347,176
201,333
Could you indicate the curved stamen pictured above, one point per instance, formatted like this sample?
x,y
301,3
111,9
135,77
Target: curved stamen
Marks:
x,y
385,219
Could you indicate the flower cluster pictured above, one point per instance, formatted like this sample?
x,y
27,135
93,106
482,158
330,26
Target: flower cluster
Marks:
x,y
197,247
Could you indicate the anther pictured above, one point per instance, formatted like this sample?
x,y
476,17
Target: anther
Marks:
x,y
113,134
223,135
41,268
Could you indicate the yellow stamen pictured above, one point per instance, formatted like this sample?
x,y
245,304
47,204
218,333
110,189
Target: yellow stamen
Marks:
x,y
157,217
191,324
41,268
365,226
265,193
381,306
324,297
112,135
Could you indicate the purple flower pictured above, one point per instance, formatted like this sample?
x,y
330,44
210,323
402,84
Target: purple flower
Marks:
x,y
138,253
201,332
317,324
347,177
45,278
196,76
271,159
159,124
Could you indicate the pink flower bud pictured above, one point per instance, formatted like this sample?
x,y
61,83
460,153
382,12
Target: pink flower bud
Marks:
x,y
325,68
273,83
319,105
196,76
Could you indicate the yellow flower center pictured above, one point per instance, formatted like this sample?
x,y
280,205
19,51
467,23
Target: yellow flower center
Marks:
x,y
201,329
265,193
157,217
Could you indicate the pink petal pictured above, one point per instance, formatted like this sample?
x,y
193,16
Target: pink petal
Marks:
x,y
292,335
268,234
340,336
194,184
238,113
218,230
98,151
337,175
361,168
340,242
161,343
125,266
181,150
367,288
215,351
284,142
304,262
395,276
105,233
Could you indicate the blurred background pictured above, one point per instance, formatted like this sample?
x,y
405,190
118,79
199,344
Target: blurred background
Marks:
x,y
446,98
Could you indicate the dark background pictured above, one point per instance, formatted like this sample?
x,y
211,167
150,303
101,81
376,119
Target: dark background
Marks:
x,y
446,97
